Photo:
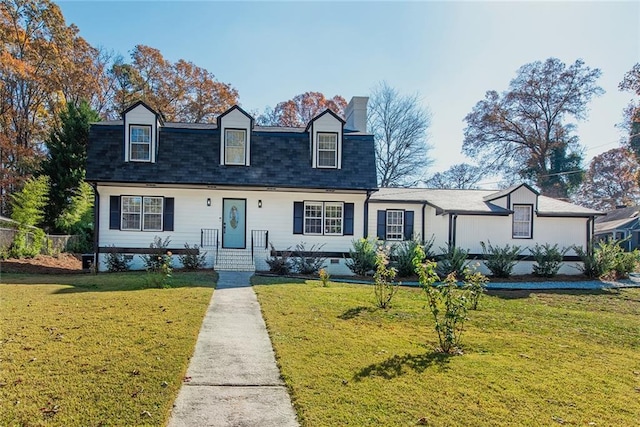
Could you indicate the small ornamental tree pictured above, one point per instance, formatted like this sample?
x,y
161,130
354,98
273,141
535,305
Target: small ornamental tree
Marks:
x,y
384,284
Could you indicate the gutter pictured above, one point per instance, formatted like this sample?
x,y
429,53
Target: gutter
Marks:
x,y
365,233
424,230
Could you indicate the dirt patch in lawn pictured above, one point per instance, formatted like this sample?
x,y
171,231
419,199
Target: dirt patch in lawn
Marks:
x,y
63,263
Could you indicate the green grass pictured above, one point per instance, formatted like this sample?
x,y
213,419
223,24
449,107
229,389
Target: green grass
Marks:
x,y
84,350
539,358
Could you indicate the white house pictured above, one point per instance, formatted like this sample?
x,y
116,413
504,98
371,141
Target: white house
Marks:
x,y
232,188
518,215
235,189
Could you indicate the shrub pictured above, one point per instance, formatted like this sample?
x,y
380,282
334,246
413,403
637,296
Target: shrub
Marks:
x,y
452,260
154,261
117,262
307,261
475,283
27,243
548,259
500,260
161,277
405,253
324,277
383,280
279,264
362,258
607,260
192,259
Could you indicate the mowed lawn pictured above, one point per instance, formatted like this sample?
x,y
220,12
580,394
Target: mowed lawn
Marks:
x,y
84,350
530,359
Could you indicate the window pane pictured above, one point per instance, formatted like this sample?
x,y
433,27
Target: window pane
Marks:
x,y
152,215
327,149
131,208
395,225
313,218
141,134
235,142
522,221
326,158
333,218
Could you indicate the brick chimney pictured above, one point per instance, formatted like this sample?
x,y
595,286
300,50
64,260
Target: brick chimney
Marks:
x,y
356,114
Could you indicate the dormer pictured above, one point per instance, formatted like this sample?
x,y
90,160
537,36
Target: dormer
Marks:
x,y
141,124
325,140
235,126
522,201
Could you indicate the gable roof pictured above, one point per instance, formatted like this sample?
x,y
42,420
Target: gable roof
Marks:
x,y
145,105
474,202
235,107
509,190
327,111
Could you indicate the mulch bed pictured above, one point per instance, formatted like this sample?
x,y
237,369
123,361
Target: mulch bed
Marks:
x,y
63,263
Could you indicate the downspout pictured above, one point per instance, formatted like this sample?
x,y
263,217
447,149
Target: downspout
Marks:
x,y
365,233
96,226
424,230
455,224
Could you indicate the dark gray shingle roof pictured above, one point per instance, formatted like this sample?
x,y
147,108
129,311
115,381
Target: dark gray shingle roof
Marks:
x,y
190,154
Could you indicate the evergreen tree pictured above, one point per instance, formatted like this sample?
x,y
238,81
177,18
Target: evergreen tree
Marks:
x,y
27,205
66,159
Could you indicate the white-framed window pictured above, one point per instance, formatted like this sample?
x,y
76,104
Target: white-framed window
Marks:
x,y
140,143
313,218
323,218
522,221
141,213
333,215
152,214
235,146
395,225
327,150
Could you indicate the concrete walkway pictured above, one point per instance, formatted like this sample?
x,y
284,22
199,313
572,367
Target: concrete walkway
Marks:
x,y
234,377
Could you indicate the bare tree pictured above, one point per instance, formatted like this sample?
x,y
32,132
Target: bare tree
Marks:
x,y
631,83
399,124
523,131
461,176
610,181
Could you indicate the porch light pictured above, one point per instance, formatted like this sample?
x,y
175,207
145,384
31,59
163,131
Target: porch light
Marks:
x,y
208,201
259,203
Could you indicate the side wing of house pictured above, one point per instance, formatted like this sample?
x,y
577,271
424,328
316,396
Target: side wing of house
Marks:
x,y
517,216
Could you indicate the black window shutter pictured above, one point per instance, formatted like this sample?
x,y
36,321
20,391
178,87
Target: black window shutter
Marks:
x,y
408,225
298,217
114,212
382,225
168,213
348,219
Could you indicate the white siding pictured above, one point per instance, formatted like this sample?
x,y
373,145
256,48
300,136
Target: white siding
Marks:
x,y
140,115
235,119
524,196
473,229
191,214
325,123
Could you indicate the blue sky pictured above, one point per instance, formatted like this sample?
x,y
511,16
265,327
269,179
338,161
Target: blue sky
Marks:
x,y
450,53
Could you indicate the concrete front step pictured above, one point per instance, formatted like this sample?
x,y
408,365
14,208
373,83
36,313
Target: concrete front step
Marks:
x,y
234,260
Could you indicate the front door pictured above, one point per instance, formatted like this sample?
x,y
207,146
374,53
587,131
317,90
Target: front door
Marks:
x,y
234,223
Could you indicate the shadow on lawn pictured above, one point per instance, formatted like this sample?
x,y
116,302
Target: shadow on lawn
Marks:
x,y
355,312
526,293
397,365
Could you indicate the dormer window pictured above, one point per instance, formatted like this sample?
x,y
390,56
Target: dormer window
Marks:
x,y
235,126
235,146
327,150
141,133
325,140
140,143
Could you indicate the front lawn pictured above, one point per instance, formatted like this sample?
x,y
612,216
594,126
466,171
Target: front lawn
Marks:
x,y
530,358
85,350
